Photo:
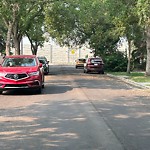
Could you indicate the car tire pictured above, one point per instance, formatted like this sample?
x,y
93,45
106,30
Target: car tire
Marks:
x,y
43,86
101,72
76,67
1,92
87,71
39,90
47,71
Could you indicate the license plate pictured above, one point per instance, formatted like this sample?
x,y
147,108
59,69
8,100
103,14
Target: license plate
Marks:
x,y
95,64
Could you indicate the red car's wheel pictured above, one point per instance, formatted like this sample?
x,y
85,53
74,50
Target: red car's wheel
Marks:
x,y
39,90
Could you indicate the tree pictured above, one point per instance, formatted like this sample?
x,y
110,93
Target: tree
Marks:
x,y
79,22
2,37
143,10
27,15
61,21
8,12
125,19
35,34
18,16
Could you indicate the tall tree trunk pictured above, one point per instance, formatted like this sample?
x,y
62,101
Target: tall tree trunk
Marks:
x,y
148,51
129,57
34,46
16,38
17,46
10,24
8,40
34,49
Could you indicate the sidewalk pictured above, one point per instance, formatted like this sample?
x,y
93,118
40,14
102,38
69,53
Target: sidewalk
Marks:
x,y
143,85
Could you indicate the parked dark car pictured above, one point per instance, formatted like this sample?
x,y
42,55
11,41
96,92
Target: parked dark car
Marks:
x,y
94,64
45,64
80,62
21,72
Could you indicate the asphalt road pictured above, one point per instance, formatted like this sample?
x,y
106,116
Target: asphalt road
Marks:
x,y
76,111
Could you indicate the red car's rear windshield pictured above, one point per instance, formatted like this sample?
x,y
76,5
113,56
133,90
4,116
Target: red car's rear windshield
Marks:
x,y
96,60
18,62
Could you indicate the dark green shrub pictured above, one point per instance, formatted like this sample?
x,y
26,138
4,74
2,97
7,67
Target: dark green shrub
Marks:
x,y
115,62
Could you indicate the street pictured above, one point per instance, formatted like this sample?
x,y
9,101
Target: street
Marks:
x,y
76,111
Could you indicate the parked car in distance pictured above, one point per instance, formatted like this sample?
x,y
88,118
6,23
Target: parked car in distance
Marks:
x,y
94,64
45,64
42,57
21,72
80,62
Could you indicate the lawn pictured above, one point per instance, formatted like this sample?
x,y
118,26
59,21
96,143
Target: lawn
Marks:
x,y
135,76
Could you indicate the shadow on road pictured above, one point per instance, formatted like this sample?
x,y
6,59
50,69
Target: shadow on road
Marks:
x,y
49,89
128,117
43,126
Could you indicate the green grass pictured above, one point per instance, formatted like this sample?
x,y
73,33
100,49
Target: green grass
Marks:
x,y
135,76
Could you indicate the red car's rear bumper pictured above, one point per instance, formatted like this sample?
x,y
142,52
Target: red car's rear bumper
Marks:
x,y
95,68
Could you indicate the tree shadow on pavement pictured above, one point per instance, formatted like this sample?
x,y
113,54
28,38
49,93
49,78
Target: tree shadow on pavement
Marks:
x,y
46,125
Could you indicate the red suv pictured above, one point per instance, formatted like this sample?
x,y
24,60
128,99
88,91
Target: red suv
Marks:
x,y
21,72
94,64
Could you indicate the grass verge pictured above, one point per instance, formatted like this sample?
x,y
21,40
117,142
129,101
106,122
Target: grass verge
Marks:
x,y
135,76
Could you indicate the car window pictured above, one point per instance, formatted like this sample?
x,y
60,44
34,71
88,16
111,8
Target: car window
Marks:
x,y
82,60
16,62
42,58
96,60
42,61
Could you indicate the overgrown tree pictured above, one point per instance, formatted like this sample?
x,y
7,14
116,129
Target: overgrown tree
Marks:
x,y
35,34
125,19
62,21
79,22
18,15
143,10
2,38
8,13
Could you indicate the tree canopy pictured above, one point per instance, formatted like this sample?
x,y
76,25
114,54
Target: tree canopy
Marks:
x,y
19,17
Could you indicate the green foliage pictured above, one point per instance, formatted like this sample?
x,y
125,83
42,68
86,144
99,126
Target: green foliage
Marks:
x,y
19,16
77,22
115,61
143,10
61,21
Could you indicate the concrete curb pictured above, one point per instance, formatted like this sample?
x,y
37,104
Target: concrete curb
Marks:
x,y
126,80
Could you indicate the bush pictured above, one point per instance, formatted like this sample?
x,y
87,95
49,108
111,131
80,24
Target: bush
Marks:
x,y
115,62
